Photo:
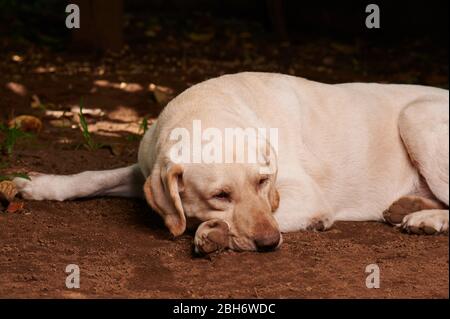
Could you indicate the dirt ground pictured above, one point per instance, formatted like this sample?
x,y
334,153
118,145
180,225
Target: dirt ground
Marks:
x,y
121,246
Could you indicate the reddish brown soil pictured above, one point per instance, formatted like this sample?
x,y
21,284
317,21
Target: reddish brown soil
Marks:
x,y
122,247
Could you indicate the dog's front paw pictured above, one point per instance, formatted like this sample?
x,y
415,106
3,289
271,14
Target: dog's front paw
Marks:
x,y
406,205
321,223
426,222
212,235
29,188
24,187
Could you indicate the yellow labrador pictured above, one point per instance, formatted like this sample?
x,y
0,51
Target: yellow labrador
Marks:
x,y
344,152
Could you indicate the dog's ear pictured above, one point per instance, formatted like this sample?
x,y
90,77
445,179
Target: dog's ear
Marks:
x,y
161,190
274,198
272,170
269,161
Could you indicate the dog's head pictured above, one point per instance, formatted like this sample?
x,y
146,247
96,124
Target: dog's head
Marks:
x,y
236,193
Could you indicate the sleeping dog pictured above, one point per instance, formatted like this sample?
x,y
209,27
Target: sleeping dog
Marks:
x,y
342,152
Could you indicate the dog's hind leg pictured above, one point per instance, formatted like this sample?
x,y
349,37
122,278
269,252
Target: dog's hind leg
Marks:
x,y
122,182
431,221
424,129
406,205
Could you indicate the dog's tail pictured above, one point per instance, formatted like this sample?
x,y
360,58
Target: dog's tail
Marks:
x,y
123,182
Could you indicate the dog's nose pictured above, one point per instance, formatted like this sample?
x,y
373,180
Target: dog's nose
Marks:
x,y
267,242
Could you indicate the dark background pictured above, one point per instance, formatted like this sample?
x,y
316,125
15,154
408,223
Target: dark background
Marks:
x,y
41,20
321,40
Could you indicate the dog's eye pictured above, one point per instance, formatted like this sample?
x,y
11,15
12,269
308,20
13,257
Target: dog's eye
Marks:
x,y
263,180
222,195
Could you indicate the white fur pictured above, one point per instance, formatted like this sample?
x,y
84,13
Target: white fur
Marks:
x,y
126,181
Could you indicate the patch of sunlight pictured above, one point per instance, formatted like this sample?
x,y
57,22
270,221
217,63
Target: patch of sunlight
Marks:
x,y
124,114
44,69
17,88
17,58
108,126
96,112
124,86
65,140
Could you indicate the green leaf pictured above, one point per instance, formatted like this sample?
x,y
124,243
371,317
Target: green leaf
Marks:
x,y
89,142
11,176
12,134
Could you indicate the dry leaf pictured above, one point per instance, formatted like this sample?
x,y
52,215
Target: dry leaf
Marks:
x,y
15,207
26,123
8,191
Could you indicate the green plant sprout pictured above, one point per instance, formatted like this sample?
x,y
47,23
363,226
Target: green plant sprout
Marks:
x,y
89,141
11,136
143,127
11,176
